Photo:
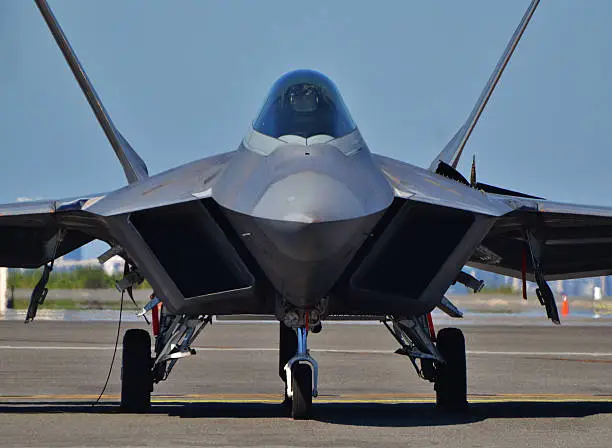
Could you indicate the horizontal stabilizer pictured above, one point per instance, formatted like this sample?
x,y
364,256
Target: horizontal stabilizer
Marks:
x,y
133,166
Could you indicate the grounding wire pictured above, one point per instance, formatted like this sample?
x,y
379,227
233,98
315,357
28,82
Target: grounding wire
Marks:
x,y
110,369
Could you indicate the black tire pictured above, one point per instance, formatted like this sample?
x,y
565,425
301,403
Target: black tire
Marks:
x,y
451,377
301,404
136,375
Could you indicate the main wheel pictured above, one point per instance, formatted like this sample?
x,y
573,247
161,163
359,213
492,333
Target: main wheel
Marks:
x,y
136,374
301,381
451,376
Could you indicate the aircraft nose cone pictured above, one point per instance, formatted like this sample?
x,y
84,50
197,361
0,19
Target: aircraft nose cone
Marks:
x,y
309,242
303,260
309,197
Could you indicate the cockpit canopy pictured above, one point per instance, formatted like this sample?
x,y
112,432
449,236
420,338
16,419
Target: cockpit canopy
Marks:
x,y
304,103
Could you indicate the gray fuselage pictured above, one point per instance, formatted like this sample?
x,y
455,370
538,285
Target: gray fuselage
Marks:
x,y
302,209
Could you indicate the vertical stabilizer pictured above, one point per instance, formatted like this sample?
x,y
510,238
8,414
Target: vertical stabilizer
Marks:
x,y
452,151
134,167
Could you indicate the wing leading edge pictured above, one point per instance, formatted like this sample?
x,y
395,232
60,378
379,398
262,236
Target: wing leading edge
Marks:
x,y
420,185
29,230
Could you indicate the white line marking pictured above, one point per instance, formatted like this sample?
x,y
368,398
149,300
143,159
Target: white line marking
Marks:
x,y
501,353
316,350
56,347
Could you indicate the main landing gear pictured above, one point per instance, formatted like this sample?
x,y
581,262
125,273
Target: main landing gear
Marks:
x,y
136,374
139,371
441,360
450,380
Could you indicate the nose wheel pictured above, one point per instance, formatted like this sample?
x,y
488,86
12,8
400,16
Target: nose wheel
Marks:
x,y
301,402
300,375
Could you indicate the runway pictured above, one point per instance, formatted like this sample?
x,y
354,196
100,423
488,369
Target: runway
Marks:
x,y
528,385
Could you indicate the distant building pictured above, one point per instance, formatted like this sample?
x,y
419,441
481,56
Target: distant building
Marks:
x,y
114,265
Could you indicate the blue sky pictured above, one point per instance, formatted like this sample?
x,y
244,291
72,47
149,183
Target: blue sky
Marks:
x,y
183,80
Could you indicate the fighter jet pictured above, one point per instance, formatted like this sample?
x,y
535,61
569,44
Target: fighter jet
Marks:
x,y
304,222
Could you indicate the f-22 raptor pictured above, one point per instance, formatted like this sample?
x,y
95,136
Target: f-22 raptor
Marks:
x,y
302,221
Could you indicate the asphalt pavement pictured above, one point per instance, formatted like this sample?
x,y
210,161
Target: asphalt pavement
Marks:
x,y
529,385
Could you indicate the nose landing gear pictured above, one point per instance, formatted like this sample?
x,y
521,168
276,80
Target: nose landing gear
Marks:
x,y
298,370
301,373
296,367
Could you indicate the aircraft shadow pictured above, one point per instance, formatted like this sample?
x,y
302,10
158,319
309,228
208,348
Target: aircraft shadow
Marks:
x,y
356,414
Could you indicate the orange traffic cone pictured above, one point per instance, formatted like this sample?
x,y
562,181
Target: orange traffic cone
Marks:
x,y
565,306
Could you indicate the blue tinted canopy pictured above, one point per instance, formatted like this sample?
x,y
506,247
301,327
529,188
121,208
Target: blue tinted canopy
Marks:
x,y
304,103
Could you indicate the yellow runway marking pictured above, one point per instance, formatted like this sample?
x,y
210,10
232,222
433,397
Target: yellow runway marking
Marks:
x,y
349,398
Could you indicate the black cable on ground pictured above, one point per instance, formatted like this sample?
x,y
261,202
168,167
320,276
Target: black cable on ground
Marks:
x,y
110,369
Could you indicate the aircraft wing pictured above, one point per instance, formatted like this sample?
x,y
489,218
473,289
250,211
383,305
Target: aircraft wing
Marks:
x,y
29,230
420,185
182,184
576,240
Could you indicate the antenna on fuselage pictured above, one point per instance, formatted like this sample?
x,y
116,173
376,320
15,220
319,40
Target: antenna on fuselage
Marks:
x,y
473,172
